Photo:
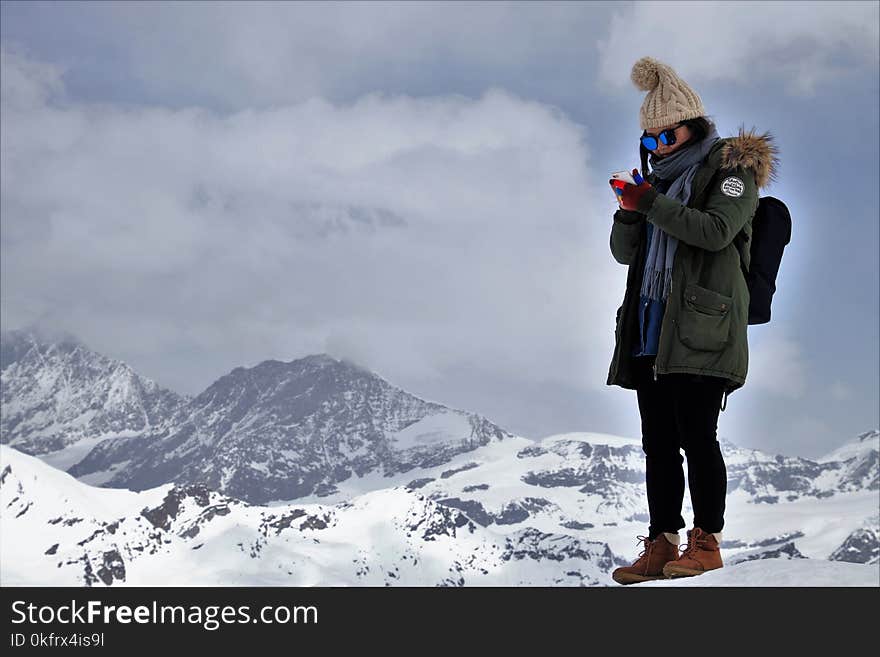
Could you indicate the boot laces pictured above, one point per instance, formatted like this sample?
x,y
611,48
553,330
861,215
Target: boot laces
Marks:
x,y
693,544
648,544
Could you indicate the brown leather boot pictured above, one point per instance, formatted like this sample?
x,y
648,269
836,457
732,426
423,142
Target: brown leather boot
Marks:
x,y
650,563
701,554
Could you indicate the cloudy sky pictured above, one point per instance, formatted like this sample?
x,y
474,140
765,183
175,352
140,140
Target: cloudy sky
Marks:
x,y
422,188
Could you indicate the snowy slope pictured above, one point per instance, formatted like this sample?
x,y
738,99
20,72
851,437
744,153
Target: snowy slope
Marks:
x,y
59,531
857,462
580,484
781,572
771,478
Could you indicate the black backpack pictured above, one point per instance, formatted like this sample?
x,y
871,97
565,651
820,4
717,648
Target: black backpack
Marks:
x,y
771,231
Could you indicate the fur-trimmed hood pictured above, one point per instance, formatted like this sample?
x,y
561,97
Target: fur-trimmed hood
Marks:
x,y
752,151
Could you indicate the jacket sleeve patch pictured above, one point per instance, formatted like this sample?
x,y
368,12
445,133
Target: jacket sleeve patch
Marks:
x,y
733,187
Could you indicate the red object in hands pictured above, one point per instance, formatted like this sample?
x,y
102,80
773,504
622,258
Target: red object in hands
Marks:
x,y
629,195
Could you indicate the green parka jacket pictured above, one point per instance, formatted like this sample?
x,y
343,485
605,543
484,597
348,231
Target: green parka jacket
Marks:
x,y
704,326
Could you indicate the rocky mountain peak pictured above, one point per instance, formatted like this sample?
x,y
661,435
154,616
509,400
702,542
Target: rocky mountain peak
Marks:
x,y
56,394
281,430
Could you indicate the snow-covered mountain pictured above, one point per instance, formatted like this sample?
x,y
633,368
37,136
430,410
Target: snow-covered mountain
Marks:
x,y
862,545
858,462
475,521
59,398
347,447
771,478
281,431
59,531
287,430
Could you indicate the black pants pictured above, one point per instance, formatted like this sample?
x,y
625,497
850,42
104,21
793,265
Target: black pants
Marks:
x,y
680,411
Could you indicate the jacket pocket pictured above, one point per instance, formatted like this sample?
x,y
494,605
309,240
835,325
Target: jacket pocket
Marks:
x,y
704,321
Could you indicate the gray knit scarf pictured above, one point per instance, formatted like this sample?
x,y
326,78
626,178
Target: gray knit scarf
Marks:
x,y
680,168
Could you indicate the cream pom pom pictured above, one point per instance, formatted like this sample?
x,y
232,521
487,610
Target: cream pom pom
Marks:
x,y
645,73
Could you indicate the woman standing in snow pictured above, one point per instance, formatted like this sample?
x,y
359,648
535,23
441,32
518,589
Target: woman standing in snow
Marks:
x,y
681,331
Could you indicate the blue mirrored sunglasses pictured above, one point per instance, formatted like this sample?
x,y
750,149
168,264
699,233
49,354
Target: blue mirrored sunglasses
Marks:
x,y
667,137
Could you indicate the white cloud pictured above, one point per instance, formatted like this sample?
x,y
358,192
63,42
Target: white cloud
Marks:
x,y
801,44
410,233
776,363
27,83
252,54
239,54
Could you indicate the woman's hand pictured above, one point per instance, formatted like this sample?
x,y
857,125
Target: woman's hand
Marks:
x,y
629,195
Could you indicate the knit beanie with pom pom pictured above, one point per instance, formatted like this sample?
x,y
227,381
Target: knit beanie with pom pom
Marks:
x,y
669,99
